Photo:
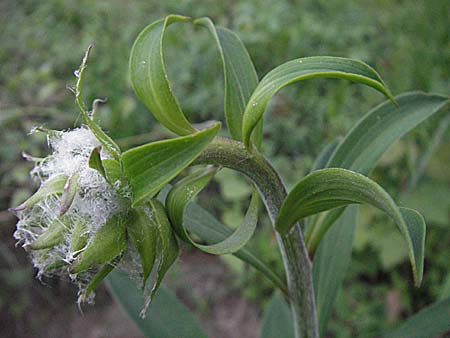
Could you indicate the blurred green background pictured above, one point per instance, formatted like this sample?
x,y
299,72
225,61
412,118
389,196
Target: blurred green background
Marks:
x,y
42,43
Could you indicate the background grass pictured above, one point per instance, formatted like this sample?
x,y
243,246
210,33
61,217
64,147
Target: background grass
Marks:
x,y
406,41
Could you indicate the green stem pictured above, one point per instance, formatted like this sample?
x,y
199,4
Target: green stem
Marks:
x,y
234,155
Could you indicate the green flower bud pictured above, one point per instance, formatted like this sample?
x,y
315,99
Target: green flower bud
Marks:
x,y
51,237
109,242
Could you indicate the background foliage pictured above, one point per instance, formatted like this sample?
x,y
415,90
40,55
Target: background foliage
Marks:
x,y
406,42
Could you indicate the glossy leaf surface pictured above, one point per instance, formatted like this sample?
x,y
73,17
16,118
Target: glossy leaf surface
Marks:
x,y
149,167
302,69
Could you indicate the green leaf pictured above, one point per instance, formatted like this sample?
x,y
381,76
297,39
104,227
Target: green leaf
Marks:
x,y
143,232
97,279
149,77
302,69
184,191
277,319
431,321
204,225
109,242
168,244
363,146
166,316
149,167
359,151
324,156
330,188
95,162
52,186
106,141
330,264
239,75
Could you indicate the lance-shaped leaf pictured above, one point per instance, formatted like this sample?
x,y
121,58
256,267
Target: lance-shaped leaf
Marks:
x,y
366,142
108,243
330,264
166,316
184,191
149,77
302,69
431,321
143,232
277,319
327,189
70,190
360,150
240,78
106,141
149,167
95,162
168,244
370,138
52,236
54,185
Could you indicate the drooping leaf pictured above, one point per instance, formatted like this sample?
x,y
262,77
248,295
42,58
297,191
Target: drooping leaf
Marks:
x,y
168,244
149,78
143,232
302,69
205,226
166,316
429,322
109,242
330,188
184,191
330,264
363,146
52,186
239,75
95,162
149,167
359,151
277,319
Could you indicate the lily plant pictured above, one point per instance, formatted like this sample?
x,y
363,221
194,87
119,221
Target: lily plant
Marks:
x,y
100,210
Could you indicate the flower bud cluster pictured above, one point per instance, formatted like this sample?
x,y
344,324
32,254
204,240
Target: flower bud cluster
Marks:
x,y
74,201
